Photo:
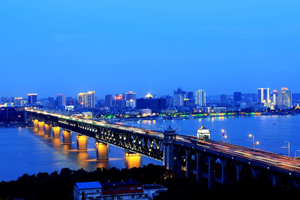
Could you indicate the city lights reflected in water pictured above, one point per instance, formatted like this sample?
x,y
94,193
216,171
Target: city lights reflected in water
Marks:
x,y
132,160
24,150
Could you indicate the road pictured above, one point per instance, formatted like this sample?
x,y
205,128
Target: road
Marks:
x,y
251,154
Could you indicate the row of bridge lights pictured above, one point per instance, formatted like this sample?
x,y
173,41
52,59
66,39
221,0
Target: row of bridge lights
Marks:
x,y
224,136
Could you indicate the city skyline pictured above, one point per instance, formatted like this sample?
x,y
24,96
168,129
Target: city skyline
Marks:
x,y
148,46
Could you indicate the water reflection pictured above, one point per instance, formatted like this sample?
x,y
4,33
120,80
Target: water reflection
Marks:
x,y
132,160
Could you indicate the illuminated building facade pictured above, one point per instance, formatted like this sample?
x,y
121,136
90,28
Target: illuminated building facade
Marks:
x,y
82,99
130,98
119,102
284,99
200,98
91,99
18,101
178,97
32,98
263,96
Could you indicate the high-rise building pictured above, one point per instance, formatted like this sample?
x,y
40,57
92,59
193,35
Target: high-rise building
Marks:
x,y
82,99
61,100
32,98
108,100
90,99
274,97
284,99
130,98
263,96
178,97
119,102
18,101
237,96
200,98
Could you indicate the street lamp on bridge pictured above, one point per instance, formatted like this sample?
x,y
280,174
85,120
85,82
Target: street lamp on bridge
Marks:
x,y
253,143
224,135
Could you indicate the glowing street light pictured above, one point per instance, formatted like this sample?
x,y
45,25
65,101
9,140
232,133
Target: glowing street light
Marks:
x,y
224,135
288,147
253,143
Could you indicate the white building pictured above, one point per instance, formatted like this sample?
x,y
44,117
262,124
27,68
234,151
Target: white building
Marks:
x,y
263,96
88,190
284,99
200,98
91,99
82,99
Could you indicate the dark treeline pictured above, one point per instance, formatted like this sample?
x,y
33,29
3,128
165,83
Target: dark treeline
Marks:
x,y
56,185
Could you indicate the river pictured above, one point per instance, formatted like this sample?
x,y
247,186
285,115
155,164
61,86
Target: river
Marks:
x,y
23,150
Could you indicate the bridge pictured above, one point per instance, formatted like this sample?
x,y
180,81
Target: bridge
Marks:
x,y
209,162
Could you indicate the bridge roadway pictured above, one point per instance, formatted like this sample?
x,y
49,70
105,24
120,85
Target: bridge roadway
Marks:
x,y
266,157
214,149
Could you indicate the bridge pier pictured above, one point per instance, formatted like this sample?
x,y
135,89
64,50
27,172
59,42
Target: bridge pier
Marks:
x,y
56,131
102,151
199,170
81,142
210,173
67,136
224,176
132,159
41,126
35,124
48,129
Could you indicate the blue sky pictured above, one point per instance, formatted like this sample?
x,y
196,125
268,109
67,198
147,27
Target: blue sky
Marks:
x,y
72,46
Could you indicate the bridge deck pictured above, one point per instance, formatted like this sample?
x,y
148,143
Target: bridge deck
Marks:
x,y
260,156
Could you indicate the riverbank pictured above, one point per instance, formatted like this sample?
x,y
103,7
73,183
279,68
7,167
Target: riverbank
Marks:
x,y
59,185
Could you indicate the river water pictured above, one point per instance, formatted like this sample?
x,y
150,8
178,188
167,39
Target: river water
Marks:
x,y
23,150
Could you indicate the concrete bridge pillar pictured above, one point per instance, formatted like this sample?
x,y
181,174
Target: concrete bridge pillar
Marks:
x,y
35,124
238,171
198,168
41,126
56,131
210,175
81,142
67,136
102,151
187,163
132,159
275,179
224,176
48,129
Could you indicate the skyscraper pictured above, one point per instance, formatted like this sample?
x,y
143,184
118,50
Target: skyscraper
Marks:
x,y
91,99
32,98
200,98
61,100
119,102
18,101
108,100
178,97
130,98
263,96
82,99
284,99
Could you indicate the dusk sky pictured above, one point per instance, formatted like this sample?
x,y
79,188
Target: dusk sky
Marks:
x,y
71,46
